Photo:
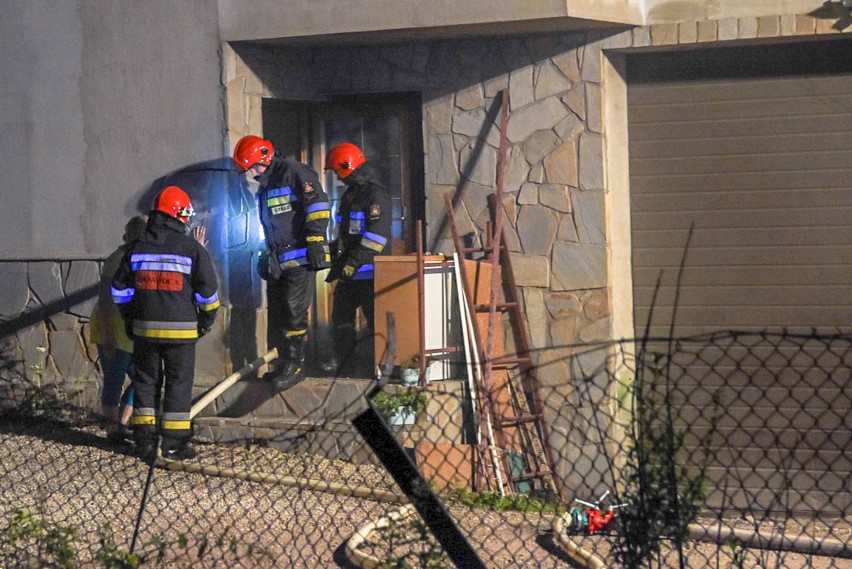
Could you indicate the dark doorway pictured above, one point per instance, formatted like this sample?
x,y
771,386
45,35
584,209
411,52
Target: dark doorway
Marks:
x,y
388,128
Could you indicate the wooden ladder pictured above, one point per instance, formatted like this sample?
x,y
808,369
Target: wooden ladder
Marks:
x,y
509,385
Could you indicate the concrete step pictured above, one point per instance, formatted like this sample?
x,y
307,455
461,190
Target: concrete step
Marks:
x,y
314,399
313,417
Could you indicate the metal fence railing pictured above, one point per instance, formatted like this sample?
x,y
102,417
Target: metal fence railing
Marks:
x,y
726,450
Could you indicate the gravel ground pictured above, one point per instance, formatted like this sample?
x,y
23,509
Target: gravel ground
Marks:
x,y
71,476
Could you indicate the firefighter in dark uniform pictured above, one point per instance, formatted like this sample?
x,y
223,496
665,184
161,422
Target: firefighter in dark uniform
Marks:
x,y
294,212
166,290
364,228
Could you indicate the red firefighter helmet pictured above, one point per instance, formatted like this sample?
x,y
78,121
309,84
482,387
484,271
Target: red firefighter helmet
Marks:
x,y
174,201
251,150
344,159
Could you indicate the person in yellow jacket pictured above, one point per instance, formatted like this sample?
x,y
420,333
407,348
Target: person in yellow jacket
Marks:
x,y
115,349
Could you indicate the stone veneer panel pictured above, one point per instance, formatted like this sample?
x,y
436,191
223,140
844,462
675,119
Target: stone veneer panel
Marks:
x,y
555,196
476,124
560,166
528,194
594,117
569,65
440,161
517,169
437,114
589,216
539,144
470,98
540,115
578,266
67,350
34,347
521,91
536,315
575,99
563,305
80,275
567,230
591,175
664,34
550,81
531,270
728,29
478,163
13,283
45,280
537,229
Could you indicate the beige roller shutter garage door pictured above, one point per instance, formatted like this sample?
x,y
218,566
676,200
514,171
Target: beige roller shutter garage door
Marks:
x,y
761,166
753,149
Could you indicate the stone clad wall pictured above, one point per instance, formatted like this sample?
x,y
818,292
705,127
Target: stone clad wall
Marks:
x,y
555,176
555,179
45,308
44,318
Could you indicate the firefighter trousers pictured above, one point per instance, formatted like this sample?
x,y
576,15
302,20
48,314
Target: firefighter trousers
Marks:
x,y
169,368
288,299
349,296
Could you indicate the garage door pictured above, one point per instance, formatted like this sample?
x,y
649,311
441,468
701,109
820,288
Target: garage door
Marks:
x,y
753,149
749,151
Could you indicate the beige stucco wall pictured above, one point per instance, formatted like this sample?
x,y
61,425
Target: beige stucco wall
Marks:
x,y
382,20
267,19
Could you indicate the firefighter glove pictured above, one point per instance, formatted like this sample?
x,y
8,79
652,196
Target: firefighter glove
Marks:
x,y
348,272
318,255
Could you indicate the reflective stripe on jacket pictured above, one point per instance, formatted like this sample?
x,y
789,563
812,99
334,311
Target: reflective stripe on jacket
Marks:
x,y
166,285
293,207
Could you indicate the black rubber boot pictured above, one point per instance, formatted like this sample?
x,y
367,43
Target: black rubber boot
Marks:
x,y
177,448
182,452
293,364
145,438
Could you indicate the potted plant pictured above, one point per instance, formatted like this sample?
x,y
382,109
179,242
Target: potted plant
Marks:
x,y
400,407
409,370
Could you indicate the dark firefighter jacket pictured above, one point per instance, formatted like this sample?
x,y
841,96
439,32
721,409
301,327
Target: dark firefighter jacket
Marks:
x,y
166,285
293,210
364,224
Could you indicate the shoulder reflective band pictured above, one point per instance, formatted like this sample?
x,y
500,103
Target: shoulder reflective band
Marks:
x,y
122,296
318,211
208,303
373,241
158,262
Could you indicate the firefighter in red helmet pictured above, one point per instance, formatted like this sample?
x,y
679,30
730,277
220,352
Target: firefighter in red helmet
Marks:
x,y
166,289
294,212
364,229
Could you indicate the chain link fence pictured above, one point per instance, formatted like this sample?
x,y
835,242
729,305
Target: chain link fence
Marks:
x,y
726,450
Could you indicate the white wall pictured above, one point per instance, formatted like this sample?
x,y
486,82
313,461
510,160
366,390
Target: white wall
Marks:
x,y
97,101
